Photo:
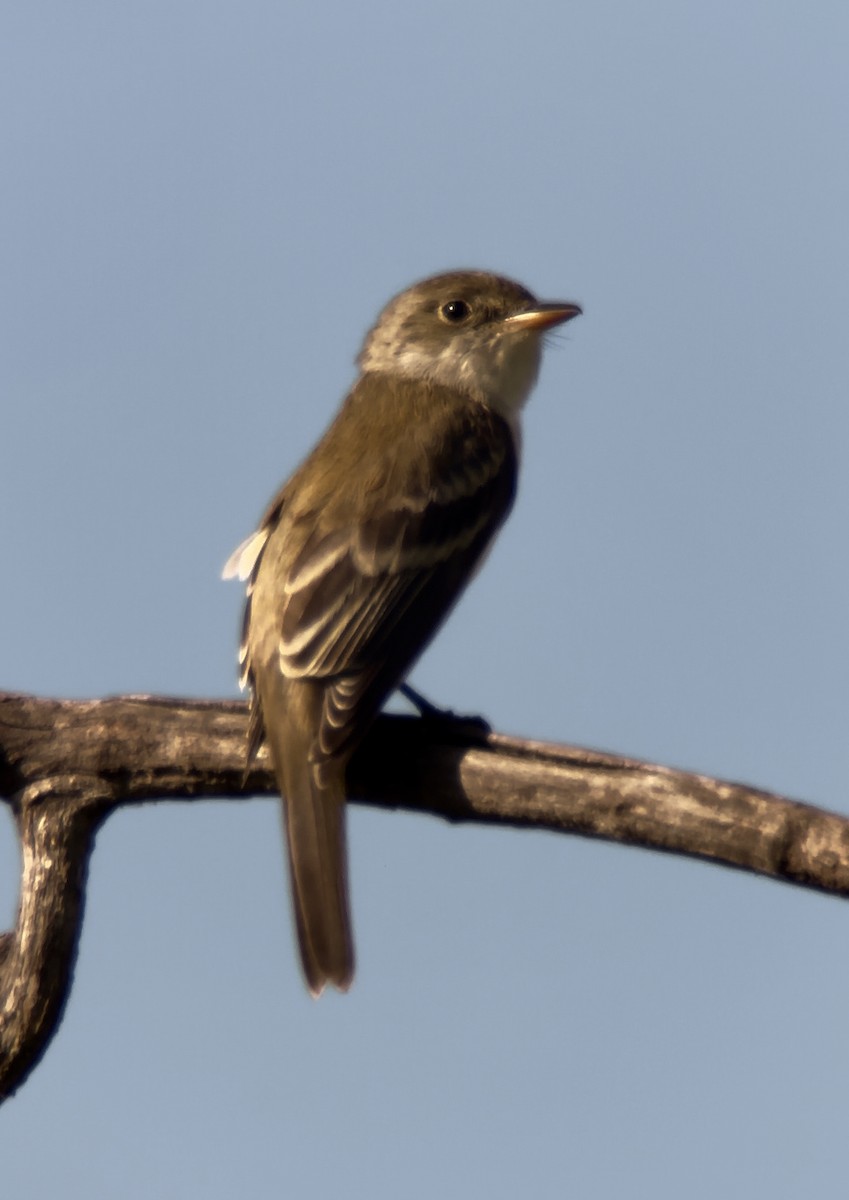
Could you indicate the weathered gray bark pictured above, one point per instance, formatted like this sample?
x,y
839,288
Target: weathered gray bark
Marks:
x,y
65,765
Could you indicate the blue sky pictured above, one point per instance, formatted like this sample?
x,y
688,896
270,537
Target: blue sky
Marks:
x,y
204,206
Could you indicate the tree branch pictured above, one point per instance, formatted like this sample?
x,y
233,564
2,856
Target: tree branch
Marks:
x,y
65,765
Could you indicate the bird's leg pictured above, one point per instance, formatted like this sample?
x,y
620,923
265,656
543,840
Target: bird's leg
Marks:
x,y
467,725
426,709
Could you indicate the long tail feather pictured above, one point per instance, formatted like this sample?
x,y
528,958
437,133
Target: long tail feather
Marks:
x,y
314,818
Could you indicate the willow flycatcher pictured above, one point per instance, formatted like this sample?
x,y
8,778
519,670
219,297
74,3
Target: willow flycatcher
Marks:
x,y
363,552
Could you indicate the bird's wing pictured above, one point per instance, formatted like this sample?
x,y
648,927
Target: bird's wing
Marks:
x,y
362,598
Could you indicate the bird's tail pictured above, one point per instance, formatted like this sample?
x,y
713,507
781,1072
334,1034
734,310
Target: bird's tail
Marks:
x,y
314,817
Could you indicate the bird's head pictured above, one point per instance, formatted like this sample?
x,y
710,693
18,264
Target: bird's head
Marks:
x,y
470,330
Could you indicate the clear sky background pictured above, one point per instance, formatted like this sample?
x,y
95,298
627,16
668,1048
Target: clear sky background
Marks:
x,y
203,206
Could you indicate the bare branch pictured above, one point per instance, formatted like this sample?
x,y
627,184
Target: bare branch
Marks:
x,y
65,765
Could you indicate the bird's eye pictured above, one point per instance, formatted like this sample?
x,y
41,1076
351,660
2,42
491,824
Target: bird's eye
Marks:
x,y
454,311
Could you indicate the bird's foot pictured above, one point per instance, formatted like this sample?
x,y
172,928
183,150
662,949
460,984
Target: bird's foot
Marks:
x,y
460,724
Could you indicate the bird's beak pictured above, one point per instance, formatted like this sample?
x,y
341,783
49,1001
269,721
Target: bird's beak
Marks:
x,y
543,316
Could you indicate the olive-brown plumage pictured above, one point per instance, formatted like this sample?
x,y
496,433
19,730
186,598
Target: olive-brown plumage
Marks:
x,y
365,549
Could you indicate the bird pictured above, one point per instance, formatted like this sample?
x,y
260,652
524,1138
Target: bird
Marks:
x,y
365,549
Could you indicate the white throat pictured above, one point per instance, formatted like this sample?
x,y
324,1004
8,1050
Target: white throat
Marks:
x,y
501,372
